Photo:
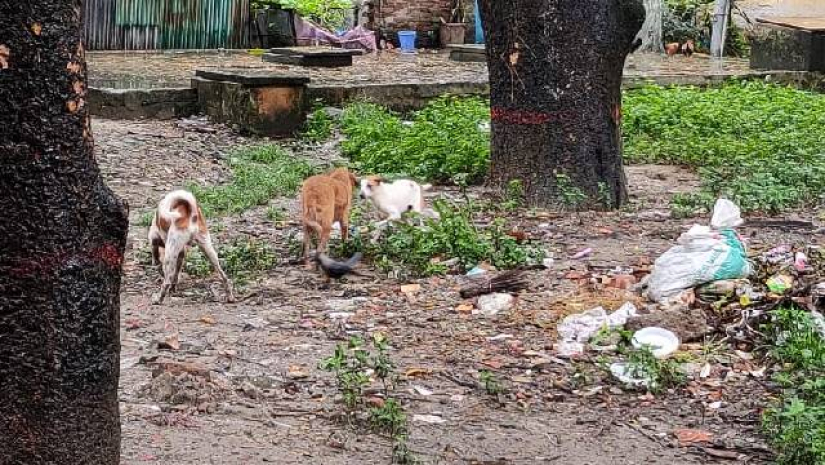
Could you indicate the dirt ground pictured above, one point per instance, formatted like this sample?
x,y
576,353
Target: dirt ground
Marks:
x,y
253,392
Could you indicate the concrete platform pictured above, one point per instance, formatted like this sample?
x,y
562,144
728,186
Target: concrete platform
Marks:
x,y
470,53
399,81
322,57
796,44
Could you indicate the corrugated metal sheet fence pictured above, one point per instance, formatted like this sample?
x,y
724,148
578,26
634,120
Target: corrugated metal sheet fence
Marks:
x,y
166,24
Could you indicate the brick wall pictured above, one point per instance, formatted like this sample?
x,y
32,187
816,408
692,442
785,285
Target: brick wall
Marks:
x,y
423,16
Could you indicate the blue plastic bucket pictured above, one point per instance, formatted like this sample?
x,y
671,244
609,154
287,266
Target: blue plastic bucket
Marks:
x,y
407,40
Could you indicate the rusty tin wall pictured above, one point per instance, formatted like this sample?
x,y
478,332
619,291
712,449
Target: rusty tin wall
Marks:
x,y
166,24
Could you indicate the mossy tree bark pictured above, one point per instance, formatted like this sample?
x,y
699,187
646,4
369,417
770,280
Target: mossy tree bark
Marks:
x,y
555,75
62,238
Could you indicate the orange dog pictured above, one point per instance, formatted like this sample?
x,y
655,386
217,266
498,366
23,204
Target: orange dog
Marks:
x,y
326,199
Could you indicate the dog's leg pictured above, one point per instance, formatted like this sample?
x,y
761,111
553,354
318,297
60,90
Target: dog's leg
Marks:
x,y
307,245
178,268
345,227
205,243
170,262
323,240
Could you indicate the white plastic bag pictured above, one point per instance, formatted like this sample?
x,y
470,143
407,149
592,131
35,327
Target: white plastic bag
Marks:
x,y
577,329
702,255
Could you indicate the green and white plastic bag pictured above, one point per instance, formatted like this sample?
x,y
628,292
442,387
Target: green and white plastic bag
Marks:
x,y
704,254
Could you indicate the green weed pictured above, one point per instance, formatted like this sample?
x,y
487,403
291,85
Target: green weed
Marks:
x,y
491,384
571,197
276,214
242,260
442,141
318,126
661,374
353,364
146,219
758,144
795,423
259,173
422,251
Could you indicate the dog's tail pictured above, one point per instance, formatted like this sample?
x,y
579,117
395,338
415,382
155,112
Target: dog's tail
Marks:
x,y
184,209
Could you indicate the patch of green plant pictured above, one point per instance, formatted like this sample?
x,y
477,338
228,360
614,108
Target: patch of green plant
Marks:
x,y
318,126
259,173
660,374
354,364
513,196
441,142
276,214
571,197
795,423
146,219
490,382
761,145
417,251
242,260
331,14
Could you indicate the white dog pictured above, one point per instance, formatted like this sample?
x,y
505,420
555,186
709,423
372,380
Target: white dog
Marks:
x,y
395,199
179,222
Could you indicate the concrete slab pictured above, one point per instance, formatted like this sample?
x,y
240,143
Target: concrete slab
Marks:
x,y
253,77
804,24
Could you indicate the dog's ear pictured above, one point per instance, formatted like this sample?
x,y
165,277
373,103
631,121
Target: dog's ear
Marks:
x,y
353,179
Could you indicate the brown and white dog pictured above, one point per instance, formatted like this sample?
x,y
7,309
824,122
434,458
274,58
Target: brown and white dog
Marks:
x,y
396,198
179,222
325,200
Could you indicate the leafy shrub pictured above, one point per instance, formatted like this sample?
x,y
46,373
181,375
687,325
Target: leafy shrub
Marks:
x,y
422,251
760,144
331,14
442,141
242,260
795,423
318,126
258,174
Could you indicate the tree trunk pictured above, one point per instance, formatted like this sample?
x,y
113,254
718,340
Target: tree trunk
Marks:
x,y
62,238
651,33
555,76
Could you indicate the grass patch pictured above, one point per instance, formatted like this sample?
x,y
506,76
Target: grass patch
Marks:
x,y
661,374
242,260
442,141
355,365
759,144
259,173
414,251
795,423
145,219
318,126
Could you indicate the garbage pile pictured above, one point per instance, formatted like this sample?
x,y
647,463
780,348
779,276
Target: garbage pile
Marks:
x,y
708,282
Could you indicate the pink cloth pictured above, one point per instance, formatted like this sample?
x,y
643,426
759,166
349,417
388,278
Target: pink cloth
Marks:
x,y
309,33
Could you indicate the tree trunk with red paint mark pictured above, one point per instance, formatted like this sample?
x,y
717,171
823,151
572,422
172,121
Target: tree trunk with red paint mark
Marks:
x,y
555,76
62,238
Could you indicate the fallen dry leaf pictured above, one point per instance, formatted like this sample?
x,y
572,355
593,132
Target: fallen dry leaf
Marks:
x,y
465,308
410,288
417,372
208,319
170,343
690,437
296,372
